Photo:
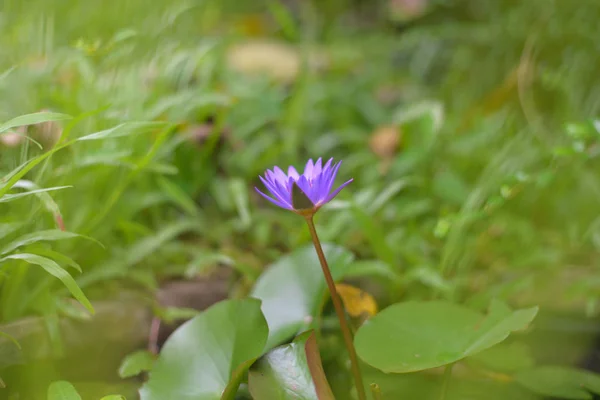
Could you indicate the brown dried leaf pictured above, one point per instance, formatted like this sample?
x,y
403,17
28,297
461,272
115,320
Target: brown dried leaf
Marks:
x,y
278,60
386,141
408,9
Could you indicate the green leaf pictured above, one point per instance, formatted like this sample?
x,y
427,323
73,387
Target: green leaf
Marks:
x,y
284,19
374,235
293,290
384,196
372,268
136,363
560,382
12,339
35,118
11,197
8,228
206,357
291,372
204,259
421,123
147,246
450,187
415,336
42,195
114,397
496,327
120,264
239,194
505,357
178,195
62,390
64,306
125,129
172,314
429,276
426,386
47,235
15,175
58,257
105,158
55,270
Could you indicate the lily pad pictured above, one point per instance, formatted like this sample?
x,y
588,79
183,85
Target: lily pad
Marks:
x,y
206,358
62,390
291,372
560,382
293,290
415,336
505,358
428,386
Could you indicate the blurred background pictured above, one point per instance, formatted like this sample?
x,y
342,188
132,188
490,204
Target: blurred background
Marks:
x,y
471,129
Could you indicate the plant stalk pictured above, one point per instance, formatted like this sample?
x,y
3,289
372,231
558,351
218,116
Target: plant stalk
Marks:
x,y
376,391
339,310
446,381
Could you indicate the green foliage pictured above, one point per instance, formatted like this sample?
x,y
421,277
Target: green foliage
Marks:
x,y
428,386
292,290
136,363
291,372
563,382
55,270
505,357
31,119
62,390
207,357
155,138
415,336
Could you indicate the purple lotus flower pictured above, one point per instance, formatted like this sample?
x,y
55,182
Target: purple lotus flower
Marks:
x,y
304,193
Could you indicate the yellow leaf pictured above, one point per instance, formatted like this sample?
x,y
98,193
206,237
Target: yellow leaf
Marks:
x,y
356,301
500,377
252,25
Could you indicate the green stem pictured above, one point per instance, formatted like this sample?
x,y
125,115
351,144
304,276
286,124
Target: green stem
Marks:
x,y
376,391
446,382
339,310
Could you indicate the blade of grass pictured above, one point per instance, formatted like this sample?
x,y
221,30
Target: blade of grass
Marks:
x,y
30,119
57,271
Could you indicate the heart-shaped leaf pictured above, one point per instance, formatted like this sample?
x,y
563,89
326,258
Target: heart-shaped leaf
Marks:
x,y
136,363
293,290
291,372
415,336
206,358
560,382
62,390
